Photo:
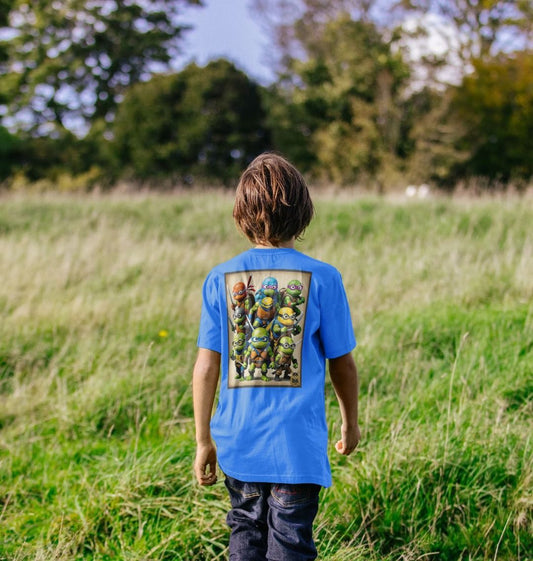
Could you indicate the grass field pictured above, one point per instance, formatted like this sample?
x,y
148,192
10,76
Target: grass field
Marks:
x,y
100,301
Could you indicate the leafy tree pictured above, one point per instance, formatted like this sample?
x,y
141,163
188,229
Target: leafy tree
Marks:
x,y
431,150
334,110
480,129
342,101
202,121
69,62
496,105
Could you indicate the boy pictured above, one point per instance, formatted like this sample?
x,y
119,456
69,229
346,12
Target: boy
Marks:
x,y
270,424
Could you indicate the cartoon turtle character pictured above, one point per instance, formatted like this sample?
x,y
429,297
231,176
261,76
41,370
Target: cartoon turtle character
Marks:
x,y
292,296
284,359
239,322
237,353
258,354
284,324
269,288
242,296
264,311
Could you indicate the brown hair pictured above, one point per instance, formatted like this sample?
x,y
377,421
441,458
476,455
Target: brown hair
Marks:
x,y
272,202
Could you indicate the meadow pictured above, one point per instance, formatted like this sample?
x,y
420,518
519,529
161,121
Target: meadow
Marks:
x,y
99,303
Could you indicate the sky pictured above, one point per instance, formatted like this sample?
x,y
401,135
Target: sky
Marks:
x,y
226,28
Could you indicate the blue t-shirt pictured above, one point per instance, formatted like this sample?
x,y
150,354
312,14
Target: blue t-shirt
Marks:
x,y
275,316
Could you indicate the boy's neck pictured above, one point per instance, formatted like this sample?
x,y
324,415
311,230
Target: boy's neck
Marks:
x,y
288,244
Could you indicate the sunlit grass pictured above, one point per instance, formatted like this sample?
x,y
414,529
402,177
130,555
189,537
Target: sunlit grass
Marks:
x,y
100,301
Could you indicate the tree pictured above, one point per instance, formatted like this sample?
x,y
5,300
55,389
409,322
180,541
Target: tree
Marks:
x,y
288,22
334,110
201,121
496,105
341,101
69,62
431,149
481,27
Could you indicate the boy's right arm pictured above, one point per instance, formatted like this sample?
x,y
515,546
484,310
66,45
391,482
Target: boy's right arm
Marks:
x,y
343,374
204,385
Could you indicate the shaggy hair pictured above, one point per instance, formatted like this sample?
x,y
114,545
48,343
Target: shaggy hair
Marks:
x,y
272,202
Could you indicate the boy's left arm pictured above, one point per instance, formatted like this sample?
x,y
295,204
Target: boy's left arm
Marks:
x,y
204,385
343,374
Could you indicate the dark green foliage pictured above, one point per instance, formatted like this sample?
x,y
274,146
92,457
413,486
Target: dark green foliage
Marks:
x,y
10,153
496,104
202,121
50,158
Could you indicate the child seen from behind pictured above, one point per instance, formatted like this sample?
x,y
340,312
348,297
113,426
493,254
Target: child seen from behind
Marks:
x,y
271,317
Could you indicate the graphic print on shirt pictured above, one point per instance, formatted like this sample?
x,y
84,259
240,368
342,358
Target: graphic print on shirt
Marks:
x,y
266,320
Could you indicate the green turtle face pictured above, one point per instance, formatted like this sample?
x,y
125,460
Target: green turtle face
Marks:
x,y
286,345
259,338
269,286
239,341
294,288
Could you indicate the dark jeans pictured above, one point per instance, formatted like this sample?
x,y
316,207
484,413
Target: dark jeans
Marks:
x,y
271,521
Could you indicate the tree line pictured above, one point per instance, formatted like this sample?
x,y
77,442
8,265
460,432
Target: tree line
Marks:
x,y
362,96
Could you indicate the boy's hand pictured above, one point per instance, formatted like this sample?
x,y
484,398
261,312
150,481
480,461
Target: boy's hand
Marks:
x,y
350,439
205,464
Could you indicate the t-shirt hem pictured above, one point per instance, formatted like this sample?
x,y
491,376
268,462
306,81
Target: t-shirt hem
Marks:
x,y
287,479
336,353
209,347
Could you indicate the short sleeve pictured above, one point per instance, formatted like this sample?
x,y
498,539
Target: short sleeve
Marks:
x,y
209,336
336,329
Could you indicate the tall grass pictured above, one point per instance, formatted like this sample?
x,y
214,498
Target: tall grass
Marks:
x,y
100,301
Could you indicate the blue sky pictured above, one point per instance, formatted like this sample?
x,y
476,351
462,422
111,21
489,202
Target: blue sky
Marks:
x,y
226,28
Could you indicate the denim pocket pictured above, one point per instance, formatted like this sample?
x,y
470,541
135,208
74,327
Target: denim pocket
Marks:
x,y
242,489
295,494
